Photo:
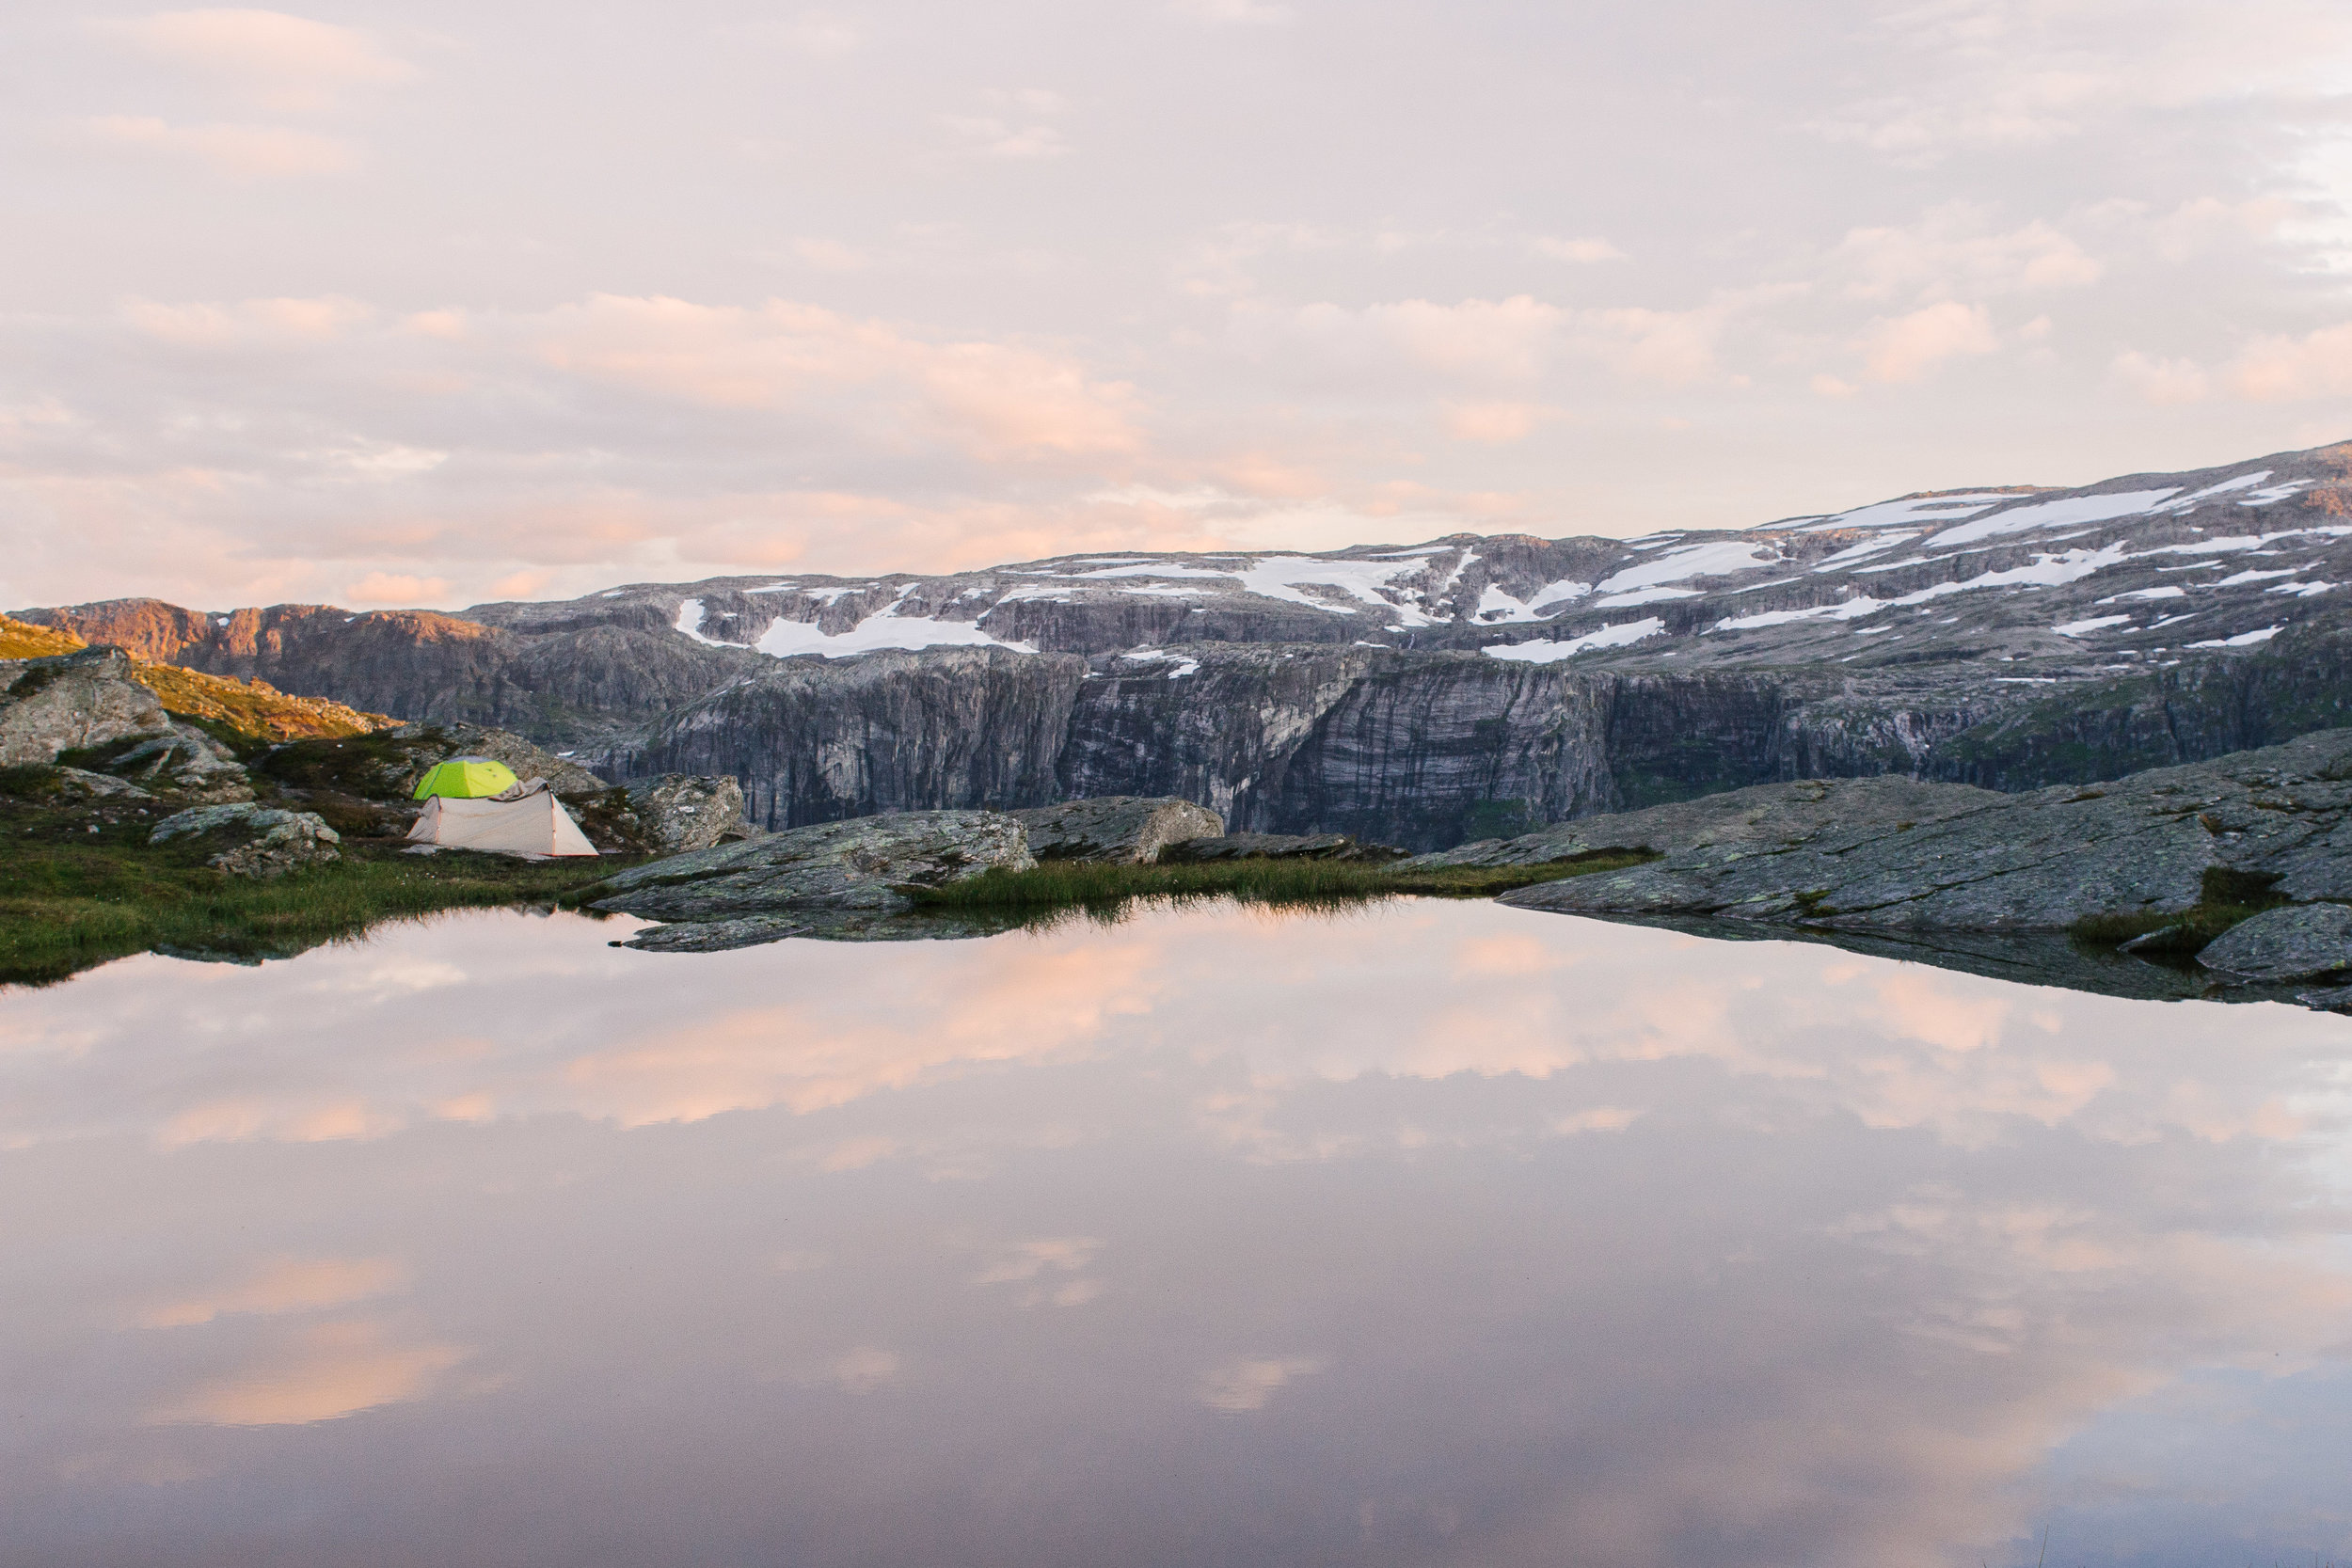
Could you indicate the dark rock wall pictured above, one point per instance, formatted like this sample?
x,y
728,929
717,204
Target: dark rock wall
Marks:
x,y
2192,712
816,741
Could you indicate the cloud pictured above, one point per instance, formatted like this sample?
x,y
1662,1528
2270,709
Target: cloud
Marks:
x,y
248,323
282,1285
1492,423
1997,75
1584,251
986,136
1000,402
241,152
1252,13
314,1374
866,1370
1949,252
388,588
825,35
2160,382
282,62
1240,1387
1907,348
2286,368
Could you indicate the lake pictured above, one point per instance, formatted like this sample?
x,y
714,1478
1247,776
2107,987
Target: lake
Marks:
x,y
1431,1232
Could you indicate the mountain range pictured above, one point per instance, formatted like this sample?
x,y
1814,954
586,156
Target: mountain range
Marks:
x,y
1469,687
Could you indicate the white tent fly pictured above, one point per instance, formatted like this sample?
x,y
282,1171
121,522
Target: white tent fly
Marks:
x,y
527,819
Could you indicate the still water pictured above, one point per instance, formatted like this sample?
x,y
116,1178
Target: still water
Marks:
x,y
1433,1233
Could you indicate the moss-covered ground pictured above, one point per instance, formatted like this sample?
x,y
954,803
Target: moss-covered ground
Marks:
x,y
80,884
1070,883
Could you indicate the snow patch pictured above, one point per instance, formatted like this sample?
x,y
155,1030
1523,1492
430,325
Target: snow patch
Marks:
x,y
2139,593
1691,560
1912,509
1617,635
1161,656
1868,548
1643,596
885,630
2057,514
2236,577
2078,628
2243,640
2188,501
1497,607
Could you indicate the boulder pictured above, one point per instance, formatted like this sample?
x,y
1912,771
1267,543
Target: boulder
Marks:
x,y
71,702
1124,829
2301,941
81,784
1280,847
841,865
186,761
679,812
260,842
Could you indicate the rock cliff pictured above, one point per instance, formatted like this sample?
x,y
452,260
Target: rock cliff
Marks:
x,y
1461,689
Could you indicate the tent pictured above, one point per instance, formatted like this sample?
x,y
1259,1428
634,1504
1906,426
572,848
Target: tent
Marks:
x,y
465,779
529,822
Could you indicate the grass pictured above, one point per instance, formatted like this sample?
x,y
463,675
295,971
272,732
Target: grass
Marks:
x,y
70,898
1066,883
2226,899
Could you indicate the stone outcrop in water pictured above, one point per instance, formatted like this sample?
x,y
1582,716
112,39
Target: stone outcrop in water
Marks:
x,y
1281,847
776,886
679,812
1121,829
2301,941
1895,855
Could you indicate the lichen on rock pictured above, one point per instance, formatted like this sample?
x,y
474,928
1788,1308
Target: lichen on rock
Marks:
x,y
259,842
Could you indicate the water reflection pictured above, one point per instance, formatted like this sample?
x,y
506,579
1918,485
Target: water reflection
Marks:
x,y
1436,1233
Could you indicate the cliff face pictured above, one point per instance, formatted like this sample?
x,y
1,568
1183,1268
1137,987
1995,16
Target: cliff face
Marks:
x,y
1467,686
602,676
1422,750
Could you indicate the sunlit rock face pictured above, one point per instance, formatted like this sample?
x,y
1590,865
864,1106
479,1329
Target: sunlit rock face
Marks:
x,y
1420,694
48,705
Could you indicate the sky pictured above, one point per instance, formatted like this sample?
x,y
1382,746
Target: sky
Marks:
x,y
428,305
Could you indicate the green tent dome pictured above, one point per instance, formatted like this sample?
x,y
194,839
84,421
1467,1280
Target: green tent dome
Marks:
x,y
466,778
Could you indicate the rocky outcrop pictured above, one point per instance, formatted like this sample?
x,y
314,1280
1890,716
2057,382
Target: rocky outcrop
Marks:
x,y
2303,941
1280,847
189,763
679,812
1895,855
73,702
785,879
258,842
1121,828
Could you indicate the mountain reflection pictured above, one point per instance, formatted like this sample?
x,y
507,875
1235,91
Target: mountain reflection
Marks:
x,y
1439,1233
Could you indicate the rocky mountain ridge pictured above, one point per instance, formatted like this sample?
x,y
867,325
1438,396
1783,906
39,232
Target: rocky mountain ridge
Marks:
x,y
1463,688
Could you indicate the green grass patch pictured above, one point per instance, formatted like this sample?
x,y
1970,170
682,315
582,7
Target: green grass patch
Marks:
x,y
71,897
1063,883
2226,899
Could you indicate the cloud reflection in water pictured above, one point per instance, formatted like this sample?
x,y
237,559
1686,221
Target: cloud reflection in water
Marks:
x,y
1439,1233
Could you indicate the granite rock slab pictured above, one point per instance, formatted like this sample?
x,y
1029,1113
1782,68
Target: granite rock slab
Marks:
x,y
1120,828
